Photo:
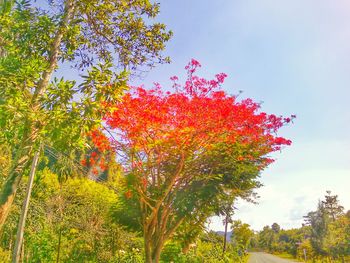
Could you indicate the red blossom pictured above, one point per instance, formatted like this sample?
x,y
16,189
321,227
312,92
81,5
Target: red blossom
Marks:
x,y
240,158
100,141
195,63
128,194
221,77
199,108
174,78
196,115
83,162
144,182
282,141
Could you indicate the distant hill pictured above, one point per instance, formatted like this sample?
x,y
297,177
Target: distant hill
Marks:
x,y
228,235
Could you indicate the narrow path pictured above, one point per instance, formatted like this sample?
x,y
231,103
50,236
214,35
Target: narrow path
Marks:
x,y
260,257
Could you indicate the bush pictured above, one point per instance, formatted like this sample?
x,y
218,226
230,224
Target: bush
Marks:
x,y
5,256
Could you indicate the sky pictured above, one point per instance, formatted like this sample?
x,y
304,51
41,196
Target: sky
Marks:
x,y
294,57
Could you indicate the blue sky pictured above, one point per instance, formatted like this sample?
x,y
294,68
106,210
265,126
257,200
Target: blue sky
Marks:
x,y
292,55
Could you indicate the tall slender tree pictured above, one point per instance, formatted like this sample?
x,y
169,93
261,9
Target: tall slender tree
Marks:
x,y
318,221
332,206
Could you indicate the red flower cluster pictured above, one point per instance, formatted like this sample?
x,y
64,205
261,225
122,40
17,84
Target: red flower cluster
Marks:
x,y
96,159
100,141
128,194
197,114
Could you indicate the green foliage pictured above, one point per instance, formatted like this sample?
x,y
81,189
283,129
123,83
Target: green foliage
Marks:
x,y
5,256
172,253
241,234
338,237
318,221
212,252
76,216
73,217
5,160
21,63
132,256
266,238
325,236
206,249
305,247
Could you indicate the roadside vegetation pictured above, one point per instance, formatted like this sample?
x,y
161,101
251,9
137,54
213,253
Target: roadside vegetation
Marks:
x,y
324,237
73,221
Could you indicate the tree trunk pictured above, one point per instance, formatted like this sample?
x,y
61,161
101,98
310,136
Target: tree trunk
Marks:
x,y
22,252
23,217
153,247
186,248
12,181
32,127
148,253
225,235
152,252
60,208
113,243
156,252
59,245
156,227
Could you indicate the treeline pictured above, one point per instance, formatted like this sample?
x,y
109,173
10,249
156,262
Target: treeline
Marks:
x,y
324,237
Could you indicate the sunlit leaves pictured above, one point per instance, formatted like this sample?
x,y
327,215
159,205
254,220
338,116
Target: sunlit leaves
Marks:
x,y
90,41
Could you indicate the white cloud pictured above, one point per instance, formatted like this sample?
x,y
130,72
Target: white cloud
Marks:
x,y
295,183
286,204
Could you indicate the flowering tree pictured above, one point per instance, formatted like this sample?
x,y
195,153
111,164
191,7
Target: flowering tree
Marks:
x,y
185,151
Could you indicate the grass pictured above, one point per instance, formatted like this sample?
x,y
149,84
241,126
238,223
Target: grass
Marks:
x,y
246,258
285,255
288,256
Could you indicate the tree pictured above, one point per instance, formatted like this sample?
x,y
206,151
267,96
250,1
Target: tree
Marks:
x,y
227,212
97,38
322,221
336,241
185,151
332,206
276,228
266,238
318,222
241,234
